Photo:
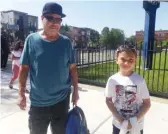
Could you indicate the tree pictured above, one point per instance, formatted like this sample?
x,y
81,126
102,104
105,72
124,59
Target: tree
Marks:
x,y
131,40
117,37
64,29
105,31
104,36
20,33
94,36
111,38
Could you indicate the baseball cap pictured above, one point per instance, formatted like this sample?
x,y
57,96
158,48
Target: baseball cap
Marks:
x,y
53,8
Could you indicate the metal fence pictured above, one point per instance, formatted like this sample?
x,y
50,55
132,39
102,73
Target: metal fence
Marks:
x,y
95,66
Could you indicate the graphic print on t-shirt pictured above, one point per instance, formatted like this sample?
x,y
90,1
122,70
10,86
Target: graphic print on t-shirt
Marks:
x,y
126,100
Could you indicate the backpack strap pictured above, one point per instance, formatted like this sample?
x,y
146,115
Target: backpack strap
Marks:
x,y
82,116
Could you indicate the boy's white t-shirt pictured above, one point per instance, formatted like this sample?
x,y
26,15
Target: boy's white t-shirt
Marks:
x,y
18,55
127,94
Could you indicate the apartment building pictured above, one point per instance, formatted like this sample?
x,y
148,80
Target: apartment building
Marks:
x,y
18,23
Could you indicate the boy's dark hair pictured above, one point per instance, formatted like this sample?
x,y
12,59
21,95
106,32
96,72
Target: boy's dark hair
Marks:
x,y
18,45
126,48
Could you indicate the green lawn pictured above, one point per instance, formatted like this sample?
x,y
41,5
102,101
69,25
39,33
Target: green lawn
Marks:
x,y
156,79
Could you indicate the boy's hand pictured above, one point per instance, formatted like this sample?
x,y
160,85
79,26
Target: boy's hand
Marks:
x,y
129,125
120,119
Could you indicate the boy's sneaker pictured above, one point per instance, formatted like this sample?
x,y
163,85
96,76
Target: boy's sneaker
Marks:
x,y
11,86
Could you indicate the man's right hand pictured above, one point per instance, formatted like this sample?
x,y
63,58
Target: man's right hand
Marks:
x,y
22,102
23,74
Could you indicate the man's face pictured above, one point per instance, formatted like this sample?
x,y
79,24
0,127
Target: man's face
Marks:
x,y
52,23
126,61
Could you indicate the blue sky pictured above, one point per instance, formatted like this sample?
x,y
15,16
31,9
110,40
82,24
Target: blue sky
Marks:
x,y
126,15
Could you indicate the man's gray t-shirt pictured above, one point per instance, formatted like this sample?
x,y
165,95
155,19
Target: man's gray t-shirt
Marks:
x,y
49,65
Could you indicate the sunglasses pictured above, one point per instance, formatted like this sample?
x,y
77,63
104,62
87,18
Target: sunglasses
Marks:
x,y
53,20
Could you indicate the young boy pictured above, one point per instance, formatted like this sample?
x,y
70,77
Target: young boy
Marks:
x,y
127,95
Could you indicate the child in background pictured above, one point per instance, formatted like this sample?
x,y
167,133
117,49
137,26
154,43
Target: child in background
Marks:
x,y
16,54
127,95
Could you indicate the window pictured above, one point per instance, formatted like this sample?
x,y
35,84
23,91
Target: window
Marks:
x,y
162,34
29,24
83,32
10,20
35,24
15,21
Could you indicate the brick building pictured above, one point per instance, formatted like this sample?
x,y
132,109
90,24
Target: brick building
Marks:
x,y
160,35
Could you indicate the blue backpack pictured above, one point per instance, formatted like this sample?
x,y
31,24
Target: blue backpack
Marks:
x,y
76,122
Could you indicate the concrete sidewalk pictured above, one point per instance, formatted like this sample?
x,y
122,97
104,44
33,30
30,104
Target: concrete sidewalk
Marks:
x,y
98,116
91,101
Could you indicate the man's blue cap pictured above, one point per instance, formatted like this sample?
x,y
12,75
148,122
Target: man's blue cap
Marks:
x,y
53,8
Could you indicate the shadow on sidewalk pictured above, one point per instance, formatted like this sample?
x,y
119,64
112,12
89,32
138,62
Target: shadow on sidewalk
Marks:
x,y
7,95
82,89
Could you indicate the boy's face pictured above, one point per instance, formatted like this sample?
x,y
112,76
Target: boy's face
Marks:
x,y
126,61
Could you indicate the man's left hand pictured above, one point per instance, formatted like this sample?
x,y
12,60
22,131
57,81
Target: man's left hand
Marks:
x,y
75,97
